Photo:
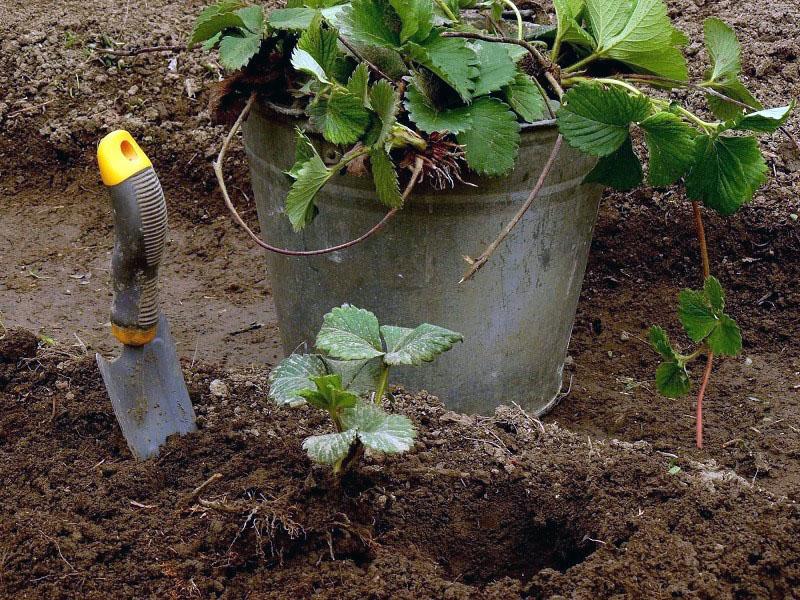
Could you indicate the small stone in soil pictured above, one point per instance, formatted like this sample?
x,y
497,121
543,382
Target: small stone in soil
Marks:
x,y
218,388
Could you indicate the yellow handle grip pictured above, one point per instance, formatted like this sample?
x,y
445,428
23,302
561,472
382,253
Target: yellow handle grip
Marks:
x,y
119,157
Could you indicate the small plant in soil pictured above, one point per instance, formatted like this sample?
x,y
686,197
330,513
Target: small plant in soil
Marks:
x,y
348,379
440,89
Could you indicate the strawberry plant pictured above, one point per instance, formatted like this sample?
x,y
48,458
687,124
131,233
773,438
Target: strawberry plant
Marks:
x,y
442,87
348,379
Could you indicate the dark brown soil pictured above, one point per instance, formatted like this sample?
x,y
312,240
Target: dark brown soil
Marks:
x,y
468,509
483,508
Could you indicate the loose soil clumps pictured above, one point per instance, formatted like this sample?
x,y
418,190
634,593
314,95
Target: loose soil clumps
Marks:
x,y
498,507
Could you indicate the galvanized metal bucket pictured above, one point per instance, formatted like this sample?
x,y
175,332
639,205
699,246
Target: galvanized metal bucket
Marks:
x,y
517,313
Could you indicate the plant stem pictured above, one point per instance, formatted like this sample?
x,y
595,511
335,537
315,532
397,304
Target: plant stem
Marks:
x,y
556,50
613,81
337,421
353,457
700,396
704,125
513,7
582,63
685,358
701,237
356,53
383,383
475,265
446,10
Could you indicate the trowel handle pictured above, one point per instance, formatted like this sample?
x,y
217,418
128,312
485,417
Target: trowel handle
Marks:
x,y
140,227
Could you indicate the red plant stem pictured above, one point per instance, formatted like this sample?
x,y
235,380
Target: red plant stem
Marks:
x,y
700,396
701,237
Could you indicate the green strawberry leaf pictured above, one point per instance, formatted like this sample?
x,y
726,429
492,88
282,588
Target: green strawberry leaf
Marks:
x,y
358,376
735,89
369,23
660,342
727,172
416,17
341,118
253,17
725,55
303,152
424,343
378,430
385,177
385,103
321,43
428,118
291,18
358,84
621,170
492,140
723,51
235,51
496,68
763,121
702,316
597,119
569,31
696,314
671,145
310,177
298,18
672,380
714,293
387,60
303,61
350,333
642,37
293,374
726,339
212,42
215,19
524,96
451,59
607,18
329,394
329,448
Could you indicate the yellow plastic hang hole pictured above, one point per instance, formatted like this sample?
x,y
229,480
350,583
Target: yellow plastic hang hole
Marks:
x,y
119,157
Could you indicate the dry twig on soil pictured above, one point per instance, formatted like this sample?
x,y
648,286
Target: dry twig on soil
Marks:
x,y
145,50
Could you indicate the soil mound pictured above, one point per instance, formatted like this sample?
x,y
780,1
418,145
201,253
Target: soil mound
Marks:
x,y
498,507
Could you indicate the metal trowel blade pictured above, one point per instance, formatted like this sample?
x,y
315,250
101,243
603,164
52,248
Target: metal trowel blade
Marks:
x,y
148,393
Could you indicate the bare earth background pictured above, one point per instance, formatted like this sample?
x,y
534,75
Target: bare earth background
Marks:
x,y
59,96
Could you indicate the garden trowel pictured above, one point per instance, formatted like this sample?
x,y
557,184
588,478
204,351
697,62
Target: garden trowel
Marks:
x,y
145,383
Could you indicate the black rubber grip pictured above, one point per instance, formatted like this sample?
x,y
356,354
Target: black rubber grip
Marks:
x,y
140,225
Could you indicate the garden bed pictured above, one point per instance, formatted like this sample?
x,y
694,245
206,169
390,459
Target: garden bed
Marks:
x,y
483,507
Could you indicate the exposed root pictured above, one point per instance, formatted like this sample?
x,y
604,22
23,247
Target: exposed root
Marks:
x,y
441,161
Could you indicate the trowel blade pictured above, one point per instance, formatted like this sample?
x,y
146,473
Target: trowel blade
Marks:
x,y
148,393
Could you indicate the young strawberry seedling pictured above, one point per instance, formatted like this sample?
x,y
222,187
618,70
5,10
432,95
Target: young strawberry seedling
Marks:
x,y
349,378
